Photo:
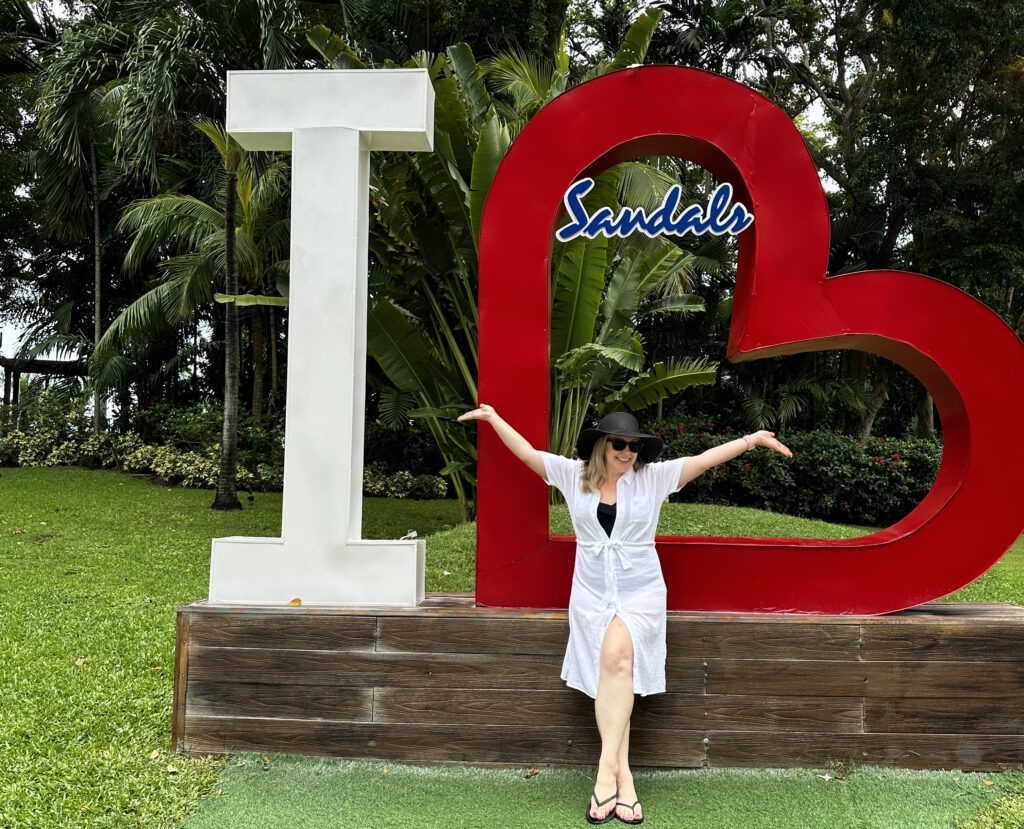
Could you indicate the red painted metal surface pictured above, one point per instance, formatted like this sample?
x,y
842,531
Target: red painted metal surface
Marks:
x,y
968,358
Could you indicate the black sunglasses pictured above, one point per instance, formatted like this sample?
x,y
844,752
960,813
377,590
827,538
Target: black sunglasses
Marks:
x,y
618,444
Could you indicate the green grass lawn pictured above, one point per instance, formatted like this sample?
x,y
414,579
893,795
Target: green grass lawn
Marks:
x,y
93,566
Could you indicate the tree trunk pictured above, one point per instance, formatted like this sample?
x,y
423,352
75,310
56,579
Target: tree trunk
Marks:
x,y
5,413
879,394
16,399
227,495
925,414
258,363
97,399
272,401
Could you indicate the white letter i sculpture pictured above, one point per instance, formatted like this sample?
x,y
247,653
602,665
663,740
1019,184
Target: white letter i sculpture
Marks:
x,y
330,120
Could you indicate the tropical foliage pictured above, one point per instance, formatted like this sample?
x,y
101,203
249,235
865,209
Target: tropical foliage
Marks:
x,y
423,323
116,213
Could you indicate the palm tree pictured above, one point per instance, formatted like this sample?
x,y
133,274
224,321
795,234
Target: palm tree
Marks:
x,y
173,69
75,126
214,244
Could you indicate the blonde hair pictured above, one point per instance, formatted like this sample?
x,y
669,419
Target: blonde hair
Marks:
x,y
594,470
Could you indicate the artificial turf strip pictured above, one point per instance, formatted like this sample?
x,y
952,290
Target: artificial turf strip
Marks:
x,y
293,791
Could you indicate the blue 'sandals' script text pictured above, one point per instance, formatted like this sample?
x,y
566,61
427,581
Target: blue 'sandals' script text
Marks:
x,y
692,220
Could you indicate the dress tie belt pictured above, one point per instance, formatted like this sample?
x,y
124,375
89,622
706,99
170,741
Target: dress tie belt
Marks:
x,y
613,549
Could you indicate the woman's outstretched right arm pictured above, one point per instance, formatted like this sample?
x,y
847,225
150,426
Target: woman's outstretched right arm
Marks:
x,y
517,444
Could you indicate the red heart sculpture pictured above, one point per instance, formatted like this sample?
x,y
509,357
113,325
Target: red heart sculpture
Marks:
x,y
783,304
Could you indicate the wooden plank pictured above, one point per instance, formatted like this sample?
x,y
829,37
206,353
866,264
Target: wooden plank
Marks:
x,y
455,605
953,715
425,743
362,670
659,711
867,679
333,633
492,706
684,676
749,713
970,752
250,699
485,634
763,640
1002,641
181,644
968,611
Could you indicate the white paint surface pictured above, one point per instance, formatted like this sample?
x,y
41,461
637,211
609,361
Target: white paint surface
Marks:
x,y
330,120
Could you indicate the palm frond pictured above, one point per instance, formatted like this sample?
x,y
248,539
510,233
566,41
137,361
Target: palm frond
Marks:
x,y
660,381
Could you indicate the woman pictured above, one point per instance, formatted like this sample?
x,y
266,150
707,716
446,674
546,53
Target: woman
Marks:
x,y
617,607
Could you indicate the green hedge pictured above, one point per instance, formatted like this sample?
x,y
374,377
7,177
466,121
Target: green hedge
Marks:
x,y
832,477
182,447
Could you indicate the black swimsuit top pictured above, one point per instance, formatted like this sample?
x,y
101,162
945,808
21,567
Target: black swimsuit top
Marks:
x,y
606,517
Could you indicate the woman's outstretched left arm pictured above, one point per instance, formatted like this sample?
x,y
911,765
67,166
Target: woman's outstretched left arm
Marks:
x,y
699,464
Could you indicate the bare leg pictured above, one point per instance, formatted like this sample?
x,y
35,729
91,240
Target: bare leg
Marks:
x,y
624,780
612,708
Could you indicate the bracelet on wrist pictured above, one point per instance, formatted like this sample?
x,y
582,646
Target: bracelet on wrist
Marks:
x,y
749,441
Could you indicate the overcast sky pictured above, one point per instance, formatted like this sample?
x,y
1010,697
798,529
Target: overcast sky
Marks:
x,y
10,337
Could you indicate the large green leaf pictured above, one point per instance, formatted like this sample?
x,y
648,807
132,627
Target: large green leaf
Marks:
x,y
246,300
334,50
685,303
644,185
643,265
406,357
451,126
582,362
577,295
470,79
662,266
634,48
658,382
490,150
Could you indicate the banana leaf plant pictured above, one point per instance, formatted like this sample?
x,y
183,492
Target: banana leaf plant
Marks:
x,y
422,323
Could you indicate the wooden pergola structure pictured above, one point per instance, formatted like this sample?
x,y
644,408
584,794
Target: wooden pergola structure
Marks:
x,y
14,368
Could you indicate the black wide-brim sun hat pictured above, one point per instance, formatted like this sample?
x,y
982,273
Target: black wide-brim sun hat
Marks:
x,y
619,423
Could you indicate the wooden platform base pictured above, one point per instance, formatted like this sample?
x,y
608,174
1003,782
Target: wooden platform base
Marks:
x,y
939,686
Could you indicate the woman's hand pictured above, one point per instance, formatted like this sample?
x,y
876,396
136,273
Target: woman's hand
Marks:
x,y
767,439
485,412
517,444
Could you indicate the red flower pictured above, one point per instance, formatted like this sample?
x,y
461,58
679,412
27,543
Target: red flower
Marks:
x,y
728,428
657,434
718,471
679,428
817,460
878,458
746,466
882,439
895,457
796,454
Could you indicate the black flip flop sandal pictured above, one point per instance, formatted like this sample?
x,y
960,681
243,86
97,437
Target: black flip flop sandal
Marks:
x,y
635,821
610,816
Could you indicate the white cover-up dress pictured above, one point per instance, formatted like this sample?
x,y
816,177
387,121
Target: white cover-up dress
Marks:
x,y
617,575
